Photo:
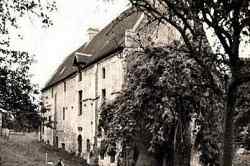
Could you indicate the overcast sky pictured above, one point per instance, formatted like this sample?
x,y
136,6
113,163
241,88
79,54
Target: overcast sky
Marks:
x,y
71,21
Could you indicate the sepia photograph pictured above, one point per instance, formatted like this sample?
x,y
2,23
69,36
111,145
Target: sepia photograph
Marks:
x,y
125,83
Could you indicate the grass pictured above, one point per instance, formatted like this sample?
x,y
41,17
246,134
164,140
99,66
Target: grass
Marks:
x,y
25,150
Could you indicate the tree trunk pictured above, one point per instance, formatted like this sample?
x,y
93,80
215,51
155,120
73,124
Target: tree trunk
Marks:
x,y
228,125
182,152
182,136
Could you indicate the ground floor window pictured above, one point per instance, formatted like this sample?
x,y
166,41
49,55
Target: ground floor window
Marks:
x,y
88,145
112,158
57,141
63,146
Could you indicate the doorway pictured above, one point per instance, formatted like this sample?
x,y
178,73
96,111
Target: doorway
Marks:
x,y
79,140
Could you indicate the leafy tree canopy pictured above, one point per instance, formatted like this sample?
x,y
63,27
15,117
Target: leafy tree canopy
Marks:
x,y
165,89
230,22
16,90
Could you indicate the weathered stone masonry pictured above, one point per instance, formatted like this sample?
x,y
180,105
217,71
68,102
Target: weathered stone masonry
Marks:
x,y
93,73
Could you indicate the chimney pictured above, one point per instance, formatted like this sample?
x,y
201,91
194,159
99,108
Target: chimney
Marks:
x,y
92,32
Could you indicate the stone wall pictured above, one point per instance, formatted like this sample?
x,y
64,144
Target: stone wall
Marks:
x,y
70,124
100,81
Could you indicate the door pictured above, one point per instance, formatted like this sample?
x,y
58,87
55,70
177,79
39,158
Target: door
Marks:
x,y
79,140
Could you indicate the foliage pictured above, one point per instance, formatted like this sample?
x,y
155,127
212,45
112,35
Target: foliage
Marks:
x,y
230,23
148,113
17,93
242,117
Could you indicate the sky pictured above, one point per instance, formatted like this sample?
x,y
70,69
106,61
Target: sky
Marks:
x,y
69,31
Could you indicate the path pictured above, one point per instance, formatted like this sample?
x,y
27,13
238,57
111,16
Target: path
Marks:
x,y
25,150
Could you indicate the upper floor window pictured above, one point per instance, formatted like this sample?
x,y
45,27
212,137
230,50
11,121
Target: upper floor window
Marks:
x,y
63,113
103,94
80,76
103,73
88,145
64,86
80,102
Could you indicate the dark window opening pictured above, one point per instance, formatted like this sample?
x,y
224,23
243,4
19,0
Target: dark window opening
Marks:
x,y
80,76
57,142
63,113
63,146
112,158
103,73
64,86
88,145
80,102
79,140
103,94
102,156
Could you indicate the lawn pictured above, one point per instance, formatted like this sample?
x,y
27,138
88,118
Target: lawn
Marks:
x,y
25,150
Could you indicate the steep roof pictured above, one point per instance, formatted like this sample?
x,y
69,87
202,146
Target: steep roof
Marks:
x,y
65,70
107,41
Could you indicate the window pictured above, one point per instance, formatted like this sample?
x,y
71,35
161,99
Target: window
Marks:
x,y
80,76
49,118
80,102
63,146
103,73
103,94
64,86
63,113
112,158
88,145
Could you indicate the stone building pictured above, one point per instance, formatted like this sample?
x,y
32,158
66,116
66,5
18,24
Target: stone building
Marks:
x,y
90,75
